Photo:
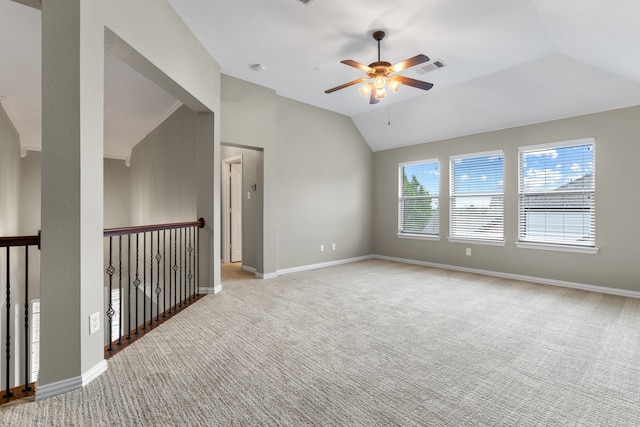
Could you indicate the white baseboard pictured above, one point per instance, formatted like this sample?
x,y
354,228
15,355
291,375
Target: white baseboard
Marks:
x,y
266,275
322,265
209,290
259,275
217,289
541,280
47,391
94,372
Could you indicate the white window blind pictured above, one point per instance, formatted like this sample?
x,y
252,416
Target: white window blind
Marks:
x,y
477,196
557,193
419,184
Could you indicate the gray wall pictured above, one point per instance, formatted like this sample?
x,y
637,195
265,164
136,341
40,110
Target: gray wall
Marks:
x,y
117,194
324,180
617,150
163,172
9,176
316,171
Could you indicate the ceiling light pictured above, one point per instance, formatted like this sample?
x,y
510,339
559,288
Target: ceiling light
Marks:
x,y
394,84
258,67
366,89
379,82
381,94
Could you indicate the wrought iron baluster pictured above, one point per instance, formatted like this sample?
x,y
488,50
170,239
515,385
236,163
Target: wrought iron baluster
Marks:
x,y
110,311
150,281
27,357
190,275
164,272
136,282
158,289
129,288
144,282
8,392
198,261
181,269
171,252
120,322
175,269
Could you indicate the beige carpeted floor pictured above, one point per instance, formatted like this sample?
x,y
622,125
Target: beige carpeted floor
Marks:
x,y
372,343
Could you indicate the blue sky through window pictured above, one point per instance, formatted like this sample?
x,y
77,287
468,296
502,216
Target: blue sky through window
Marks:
x,y
428,174
550,169
478,175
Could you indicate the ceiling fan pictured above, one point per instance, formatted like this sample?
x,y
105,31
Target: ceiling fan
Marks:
x,y
382,74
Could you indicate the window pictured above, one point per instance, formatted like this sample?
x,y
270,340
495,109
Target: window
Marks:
x,y
477,197
557,193
419,183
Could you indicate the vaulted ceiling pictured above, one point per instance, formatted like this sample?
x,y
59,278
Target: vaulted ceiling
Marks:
x,y
508,62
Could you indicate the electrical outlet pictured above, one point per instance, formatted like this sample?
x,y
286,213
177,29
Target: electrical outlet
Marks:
x,y
94,323
321,248
468,252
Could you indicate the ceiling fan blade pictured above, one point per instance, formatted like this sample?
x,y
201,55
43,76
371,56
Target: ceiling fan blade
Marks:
x,y
372,98
408,63
355,82
413,82
356,64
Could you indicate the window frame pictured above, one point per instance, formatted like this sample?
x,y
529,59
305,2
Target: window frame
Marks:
x,y
452,198
412,234
541,244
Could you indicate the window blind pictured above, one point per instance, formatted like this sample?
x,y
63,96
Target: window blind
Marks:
x,y
557,193
419,184
477,196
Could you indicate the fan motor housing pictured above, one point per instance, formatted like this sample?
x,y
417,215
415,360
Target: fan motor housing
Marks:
x,y
380,68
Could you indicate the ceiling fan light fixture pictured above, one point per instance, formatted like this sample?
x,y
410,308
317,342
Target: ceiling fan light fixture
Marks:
x,y
394,85
381,74
365,90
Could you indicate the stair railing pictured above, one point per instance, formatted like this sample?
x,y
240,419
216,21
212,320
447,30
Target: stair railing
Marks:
x,y
152,266
12,246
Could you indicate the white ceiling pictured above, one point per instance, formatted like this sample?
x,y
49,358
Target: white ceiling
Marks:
x,y
509,62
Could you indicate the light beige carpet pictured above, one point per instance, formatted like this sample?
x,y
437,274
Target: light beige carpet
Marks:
x,y
373,343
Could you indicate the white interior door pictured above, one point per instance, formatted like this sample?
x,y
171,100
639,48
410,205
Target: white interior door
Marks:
x,y
236,212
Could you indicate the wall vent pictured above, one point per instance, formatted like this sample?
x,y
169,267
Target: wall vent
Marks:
x,y
433,65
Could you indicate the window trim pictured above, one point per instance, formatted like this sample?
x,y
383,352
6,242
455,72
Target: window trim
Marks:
x,y
413,235
469,240
548,246
592,250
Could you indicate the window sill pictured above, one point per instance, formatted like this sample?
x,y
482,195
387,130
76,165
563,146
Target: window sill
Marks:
x,y
418,236
559,248
476,241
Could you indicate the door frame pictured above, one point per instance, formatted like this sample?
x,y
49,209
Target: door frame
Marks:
x,y
226,205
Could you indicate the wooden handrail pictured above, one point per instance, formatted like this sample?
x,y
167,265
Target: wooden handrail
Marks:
x,y
121,231
20,241
108,232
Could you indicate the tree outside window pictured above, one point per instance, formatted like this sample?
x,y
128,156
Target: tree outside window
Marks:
x,y
418,197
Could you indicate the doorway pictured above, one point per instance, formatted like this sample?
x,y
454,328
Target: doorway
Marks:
x,y
232,209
